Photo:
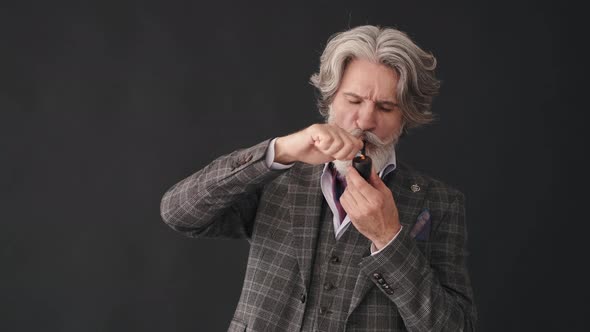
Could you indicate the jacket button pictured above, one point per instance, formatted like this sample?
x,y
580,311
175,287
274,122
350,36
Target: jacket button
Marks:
x,y
377,275
302,297
324,310
335,259
328,285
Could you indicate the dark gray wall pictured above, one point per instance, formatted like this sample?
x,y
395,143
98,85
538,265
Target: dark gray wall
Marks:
x,y
106,104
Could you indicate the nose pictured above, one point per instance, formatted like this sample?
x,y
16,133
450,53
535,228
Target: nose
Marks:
x,y
367,117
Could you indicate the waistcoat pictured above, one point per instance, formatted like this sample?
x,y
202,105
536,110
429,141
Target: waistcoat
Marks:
x,y
334,274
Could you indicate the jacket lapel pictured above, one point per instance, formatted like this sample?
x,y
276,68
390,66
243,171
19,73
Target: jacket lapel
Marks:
x,y
306,194
408,204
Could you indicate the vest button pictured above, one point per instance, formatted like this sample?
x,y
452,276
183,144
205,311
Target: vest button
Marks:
x,y
335,259
324,310
328,285
377,275
302,297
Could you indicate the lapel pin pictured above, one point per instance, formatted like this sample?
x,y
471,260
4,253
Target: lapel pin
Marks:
x,y
415,187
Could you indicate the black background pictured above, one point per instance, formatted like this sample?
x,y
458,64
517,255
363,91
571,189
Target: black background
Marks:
x,y
106,104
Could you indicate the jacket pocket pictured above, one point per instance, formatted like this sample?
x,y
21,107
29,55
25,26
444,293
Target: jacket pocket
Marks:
x,y
236,326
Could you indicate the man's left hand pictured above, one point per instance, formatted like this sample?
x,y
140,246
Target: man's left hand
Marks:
x,y
371,207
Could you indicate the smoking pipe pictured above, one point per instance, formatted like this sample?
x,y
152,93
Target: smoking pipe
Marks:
x,y
363,164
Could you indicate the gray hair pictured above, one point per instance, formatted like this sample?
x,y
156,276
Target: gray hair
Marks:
x,y
417,84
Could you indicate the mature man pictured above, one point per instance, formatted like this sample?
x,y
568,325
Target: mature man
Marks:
x,y
330,251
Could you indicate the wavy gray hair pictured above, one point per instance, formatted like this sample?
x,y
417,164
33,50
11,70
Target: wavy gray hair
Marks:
x,y
417,84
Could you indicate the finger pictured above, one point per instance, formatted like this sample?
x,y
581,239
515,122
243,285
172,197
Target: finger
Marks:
x,y
365,192
335,147
348,150
377,183
348,203
359,189
334,144
354,178
358,143
323,139
352,147
362,203
343,147
374,179
352,154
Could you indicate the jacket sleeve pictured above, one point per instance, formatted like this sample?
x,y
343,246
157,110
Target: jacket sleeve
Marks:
x,y
221,199
432,294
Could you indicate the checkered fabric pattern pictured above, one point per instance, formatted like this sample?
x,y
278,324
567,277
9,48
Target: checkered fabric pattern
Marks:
x,y
422,283
334,273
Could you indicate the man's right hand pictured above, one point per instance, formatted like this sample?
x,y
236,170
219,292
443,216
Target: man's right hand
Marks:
x,y
317,144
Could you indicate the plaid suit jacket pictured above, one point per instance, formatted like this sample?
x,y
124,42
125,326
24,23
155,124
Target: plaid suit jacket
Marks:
x,y
238,196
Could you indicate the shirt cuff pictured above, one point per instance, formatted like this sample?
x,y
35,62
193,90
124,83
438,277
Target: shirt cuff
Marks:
x,y
374,250
270,157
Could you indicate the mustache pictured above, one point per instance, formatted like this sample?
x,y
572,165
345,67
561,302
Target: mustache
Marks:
x,y
368,137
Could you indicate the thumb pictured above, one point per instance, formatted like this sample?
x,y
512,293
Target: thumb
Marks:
x,y
375,180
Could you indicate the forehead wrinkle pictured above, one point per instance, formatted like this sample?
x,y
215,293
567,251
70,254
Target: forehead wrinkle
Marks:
x,y
369,79
377,101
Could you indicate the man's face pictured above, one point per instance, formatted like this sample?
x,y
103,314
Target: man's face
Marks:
x,y
365,104
366,100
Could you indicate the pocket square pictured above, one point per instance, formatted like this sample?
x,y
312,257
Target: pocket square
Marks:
x,y
421,229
